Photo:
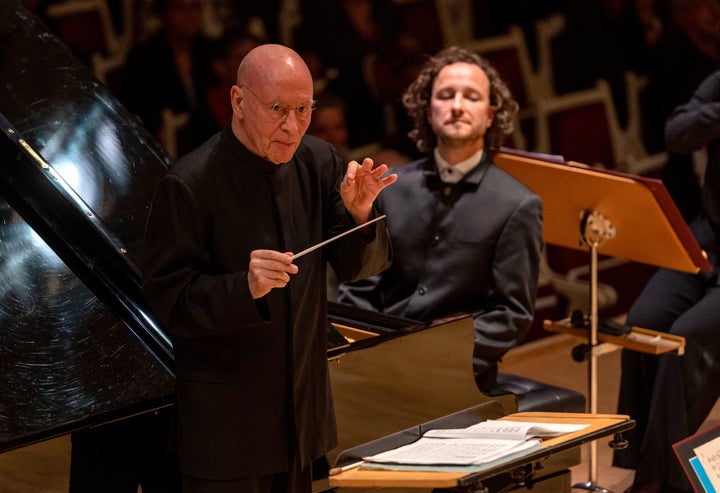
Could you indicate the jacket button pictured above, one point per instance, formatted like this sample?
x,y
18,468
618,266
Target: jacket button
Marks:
x,y
422,290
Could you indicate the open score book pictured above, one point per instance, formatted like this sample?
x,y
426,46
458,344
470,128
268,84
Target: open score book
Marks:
x,y
475,445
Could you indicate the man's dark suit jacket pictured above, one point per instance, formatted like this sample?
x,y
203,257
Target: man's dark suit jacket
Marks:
x,y
252,375
472,247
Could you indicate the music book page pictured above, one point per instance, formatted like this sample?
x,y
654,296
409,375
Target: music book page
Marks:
x,y
475,445
454,451
507,430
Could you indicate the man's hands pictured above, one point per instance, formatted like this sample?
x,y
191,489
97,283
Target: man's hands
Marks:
x,y
269,269
361,186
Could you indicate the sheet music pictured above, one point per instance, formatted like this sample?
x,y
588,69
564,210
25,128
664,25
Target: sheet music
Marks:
x,y
456,451
709,456
507,430
474,445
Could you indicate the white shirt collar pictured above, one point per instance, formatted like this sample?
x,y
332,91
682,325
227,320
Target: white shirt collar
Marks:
x,y
454,173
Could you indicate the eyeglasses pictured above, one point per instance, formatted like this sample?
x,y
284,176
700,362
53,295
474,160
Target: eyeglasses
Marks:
x,y
280,110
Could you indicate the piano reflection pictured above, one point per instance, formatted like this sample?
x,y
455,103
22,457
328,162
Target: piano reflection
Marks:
x,y
79,349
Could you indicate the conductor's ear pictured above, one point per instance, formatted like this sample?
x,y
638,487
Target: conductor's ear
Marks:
x,y
236,100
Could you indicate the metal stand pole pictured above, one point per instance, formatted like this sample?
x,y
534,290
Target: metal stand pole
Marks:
x,y
594,229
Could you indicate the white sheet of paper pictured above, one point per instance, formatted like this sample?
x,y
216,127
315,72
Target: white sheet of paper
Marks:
x,y
709,455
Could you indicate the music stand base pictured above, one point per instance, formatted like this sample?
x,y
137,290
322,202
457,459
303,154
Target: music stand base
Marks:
x,y
590,486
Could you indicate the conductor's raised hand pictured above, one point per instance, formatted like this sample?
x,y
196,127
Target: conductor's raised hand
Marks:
x,y
361,185
269,269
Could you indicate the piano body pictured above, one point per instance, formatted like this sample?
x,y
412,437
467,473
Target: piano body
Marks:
x,y
399,373
78,346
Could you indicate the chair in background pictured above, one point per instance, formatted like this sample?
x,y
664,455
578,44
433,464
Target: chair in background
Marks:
x,y
83,25
87,28
581,126
547,31
172,123
637,160
629,154
289,18
108,69
508,53
108,66
574,289
456,21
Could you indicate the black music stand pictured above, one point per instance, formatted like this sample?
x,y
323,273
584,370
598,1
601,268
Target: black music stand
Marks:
x,y
628,216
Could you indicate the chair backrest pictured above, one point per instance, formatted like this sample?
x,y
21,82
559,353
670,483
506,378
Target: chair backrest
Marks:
x,y
634,85
86,26
581,126
172,123
576,292
547,31
508,53
109,70
456,21
123,40
518,139
82,25
636,159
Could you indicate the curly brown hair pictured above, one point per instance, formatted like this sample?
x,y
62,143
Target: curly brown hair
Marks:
x,y
417,99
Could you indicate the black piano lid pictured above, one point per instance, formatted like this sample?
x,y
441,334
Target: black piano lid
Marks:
x,y
78,346
77,172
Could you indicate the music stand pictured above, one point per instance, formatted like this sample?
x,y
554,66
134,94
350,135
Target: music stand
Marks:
x,y
628,216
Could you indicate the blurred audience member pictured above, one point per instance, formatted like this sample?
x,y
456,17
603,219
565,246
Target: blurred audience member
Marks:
x,y
172,68
389,73
329,122
267,11
496,18
602,40
342,34
646,12
683,57
213,111
670,395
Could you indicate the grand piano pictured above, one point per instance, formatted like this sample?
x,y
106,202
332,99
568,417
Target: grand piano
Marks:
x,y
78,347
